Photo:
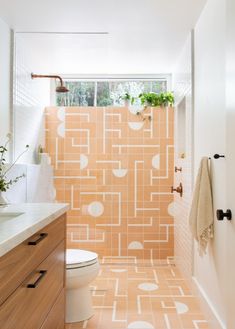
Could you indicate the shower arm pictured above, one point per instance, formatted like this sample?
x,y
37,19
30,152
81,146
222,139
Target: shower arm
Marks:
x,y
33,76
59,89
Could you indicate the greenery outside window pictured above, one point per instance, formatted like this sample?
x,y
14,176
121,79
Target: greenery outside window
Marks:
x,y
107,92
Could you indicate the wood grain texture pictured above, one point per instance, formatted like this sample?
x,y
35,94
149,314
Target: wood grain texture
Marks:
x,y
28,308
16,265
56,317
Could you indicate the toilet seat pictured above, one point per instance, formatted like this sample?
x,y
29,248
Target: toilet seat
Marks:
x,y
76,258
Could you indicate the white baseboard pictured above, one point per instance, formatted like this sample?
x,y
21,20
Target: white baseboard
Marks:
x,y
212,316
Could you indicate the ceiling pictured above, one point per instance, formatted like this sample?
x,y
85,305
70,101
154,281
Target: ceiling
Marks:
x,y
142,36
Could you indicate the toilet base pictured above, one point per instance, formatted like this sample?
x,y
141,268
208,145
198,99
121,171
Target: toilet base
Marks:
x,y
78,305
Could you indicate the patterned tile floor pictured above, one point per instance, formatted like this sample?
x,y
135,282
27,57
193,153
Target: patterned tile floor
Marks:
x,y
131,295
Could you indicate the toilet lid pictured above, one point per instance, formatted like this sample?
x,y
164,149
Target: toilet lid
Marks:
x,y
79,257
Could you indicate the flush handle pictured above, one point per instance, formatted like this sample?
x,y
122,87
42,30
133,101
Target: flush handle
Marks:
x,y
221,215
178,189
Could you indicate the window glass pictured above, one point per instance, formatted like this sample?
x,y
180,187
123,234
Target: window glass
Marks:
x,y
103,94
106,93
80,94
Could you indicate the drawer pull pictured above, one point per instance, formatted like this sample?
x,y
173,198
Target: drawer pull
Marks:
x,y
35,284
41,237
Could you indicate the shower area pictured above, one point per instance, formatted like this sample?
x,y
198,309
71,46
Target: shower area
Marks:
x,y
116,171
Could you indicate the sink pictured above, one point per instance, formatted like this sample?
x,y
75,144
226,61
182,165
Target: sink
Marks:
x,y
9,215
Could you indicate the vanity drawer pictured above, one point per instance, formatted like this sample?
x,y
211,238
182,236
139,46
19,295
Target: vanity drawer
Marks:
x,y
56,318
16,265
30,304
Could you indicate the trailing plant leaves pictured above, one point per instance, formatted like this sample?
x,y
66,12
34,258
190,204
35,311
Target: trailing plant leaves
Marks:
x,y
4,184
153,99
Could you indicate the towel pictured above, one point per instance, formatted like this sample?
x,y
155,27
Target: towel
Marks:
x,y
201,216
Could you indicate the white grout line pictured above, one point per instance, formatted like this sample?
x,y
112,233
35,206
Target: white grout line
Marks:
x,y
164,306
172,272
167,234
56,153
102,307
119,244
135,145
151,257
75,177
104,131
167,165
79,114
118,131
150,224
180,290
72,199
114,313
138,304
155,276
167,122
168,326
119,195
196,322
116,289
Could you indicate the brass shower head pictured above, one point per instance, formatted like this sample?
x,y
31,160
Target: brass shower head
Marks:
x,y
59,89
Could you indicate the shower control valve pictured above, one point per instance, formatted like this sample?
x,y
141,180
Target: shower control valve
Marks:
x,y
178,189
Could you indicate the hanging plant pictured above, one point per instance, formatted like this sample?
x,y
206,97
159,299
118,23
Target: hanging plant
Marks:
x,y
149,99
153,99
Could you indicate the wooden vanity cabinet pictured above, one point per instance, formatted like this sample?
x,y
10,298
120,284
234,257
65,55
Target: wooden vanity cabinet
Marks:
x,y
32,281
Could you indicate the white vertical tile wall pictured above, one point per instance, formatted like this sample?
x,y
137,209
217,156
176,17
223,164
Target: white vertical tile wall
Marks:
x,y
29,100
18,191
40,183
183,93
36,186
5,58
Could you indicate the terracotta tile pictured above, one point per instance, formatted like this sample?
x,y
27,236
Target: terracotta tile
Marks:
x,y
105,181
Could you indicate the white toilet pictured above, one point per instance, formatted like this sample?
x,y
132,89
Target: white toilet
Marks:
x,y
82,267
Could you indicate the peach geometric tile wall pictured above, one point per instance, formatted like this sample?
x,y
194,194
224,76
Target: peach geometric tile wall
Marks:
x,y
115,170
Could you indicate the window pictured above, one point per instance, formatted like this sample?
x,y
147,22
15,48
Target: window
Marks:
x,y
106,92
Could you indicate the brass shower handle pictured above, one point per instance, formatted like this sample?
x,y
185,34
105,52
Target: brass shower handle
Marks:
x,y
178,189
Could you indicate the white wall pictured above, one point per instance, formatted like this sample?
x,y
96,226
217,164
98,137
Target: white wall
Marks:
x,y
36,186
29,100
209,138
5,51
230,160
183,94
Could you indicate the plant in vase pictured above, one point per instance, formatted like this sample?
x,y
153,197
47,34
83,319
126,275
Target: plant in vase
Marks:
x,y
6,183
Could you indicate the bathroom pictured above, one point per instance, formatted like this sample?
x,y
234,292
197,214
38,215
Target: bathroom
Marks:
x,y
96,233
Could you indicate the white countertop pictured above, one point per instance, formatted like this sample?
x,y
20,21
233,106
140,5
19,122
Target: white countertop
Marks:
x,y
33,217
